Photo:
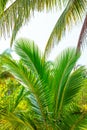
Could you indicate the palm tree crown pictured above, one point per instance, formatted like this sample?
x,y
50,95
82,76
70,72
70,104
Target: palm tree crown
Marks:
x,y
52,87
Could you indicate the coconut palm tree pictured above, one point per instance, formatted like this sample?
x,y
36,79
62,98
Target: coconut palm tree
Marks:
x,y
52,88
18,12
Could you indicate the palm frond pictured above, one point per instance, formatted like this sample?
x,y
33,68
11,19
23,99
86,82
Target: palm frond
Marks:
x,y
20,96
63,67
74,121
2,5
30,55
17,26
50,90
11,18
20,11
14,102
83,125
73,11
35,86
14,11
74,84
15,121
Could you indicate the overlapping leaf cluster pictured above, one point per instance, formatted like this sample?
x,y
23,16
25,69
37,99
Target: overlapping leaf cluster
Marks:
x,y
52,88
18,12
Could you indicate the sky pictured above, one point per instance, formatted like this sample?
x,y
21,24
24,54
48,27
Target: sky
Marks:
x,y
39,29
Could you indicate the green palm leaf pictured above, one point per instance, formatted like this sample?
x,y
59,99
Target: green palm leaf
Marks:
x,y
2,5
12,13
18,12
11,18
76,79
28,80
33,59
14,121
30,55
63,67
17,26
74,121
51,89
72,12
27,76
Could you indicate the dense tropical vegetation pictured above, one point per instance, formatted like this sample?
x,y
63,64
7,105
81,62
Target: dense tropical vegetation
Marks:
x,y
13,99
35,93
53,91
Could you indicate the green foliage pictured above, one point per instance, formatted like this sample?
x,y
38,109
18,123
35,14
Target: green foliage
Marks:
x,y
52,88
71,14
12,100
20,11
2,5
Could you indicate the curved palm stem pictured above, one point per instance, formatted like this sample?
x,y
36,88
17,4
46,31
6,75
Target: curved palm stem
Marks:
x,y
83,32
